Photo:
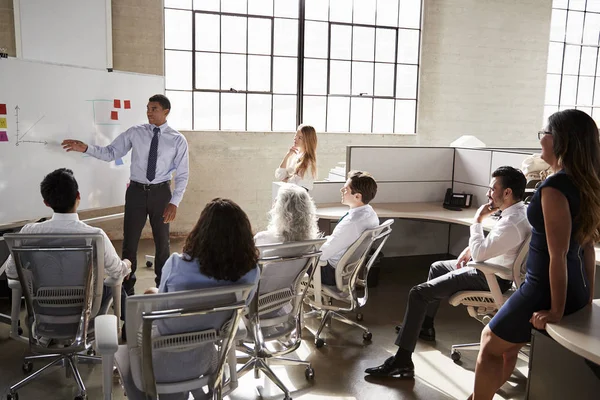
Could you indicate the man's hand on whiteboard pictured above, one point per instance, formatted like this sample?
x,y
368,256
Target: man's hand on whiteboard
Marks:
x,y
74,145
170,213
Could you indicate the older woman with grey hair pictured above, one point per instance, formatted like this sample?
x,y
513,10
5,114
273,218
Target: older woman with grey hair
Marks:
x,y
292,218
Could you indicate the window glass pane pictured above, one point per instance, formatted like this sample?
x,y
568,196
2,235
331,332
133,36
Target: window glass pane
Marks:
x,y
361,112
362,78
233,34
316,9
591,29
383,116
206,111
384,79
259,36
315,42
592,5
260,7
315,76
385,45
588,60
410,14
187,4
341,42
259,112
408,46
286,8
180,117
405,116
207,32
560,3
577,4
364,12
574,26
284,75
233,72
338,114
555,57
597,93
259,73
208,5
207,71
552,89
178,29
571,63
284,113
568,90
587,110
363,44
340,11
387,13
339,77
585,91
558,25
178,70
286,37
233,111
548,111
234,6
406,82
314,112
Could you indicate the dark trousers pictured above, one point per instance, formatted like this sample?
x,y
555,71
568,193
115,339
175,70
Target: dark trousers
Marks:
x,y
327,275
424,299
143,202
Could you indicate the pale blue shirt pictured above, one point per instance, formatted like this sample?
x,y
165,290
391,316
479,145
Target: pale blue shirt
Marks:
x,y
172,155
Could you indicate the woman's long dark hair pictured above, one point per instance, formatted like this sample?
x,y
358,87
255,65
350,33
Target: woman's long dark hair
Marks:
x,y
577,149
222,241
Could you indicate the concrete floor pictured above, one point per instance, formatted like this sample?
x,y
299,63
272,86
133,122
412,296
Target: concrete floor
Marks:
x,y
339,366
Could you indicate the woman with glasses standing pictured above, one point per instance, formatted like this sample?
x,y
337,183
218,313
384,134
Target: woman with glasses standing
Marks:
x,y
565,217
299,166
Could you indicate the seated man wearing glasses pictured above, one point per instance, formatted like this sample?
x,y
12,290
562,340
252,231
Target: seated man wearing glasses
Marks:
x,y
359,190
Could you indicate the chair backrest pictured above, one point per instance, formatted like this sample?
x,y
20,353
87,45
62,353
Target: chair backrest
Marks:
x,y
61,276
280,290
179,341
520,265
353,260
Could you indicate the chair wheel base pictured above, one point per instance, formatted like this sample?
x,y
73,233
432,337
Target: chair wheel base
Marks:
x,y
359,317
27,367
309,373
12,396
149,264
367,336
319,343
455,355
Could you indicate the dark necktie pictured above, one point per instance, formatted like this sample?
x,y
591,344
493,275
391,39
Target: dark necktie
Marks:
x,y
152,156
343,216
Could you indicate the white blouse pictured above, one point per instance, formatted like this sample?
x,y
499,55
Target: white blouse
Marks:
x,y
288,172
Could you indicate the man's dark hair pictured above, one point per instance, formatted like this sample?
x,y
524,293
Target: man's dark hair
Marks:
x,y
363,183
162,100
511,178
59,190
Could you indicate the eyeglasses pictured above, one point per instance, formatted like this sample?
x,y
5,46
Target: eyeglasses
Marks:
x,y
542,133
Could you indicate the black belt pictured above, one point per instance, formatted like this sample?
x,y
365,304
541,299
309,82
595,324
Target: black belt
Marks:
x,y
149,186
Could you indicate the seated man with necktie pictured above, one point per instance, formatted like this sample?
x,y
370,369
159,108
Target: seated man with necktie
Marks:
x,y
358,191
500,247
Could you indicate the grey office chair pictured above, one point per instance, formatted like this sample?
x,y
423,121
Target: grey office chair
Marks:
x,y
62,276
180,342
274,317
483,305
347,281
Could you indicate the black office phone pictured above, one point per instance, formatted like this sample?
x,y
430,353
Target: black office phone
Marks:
x,y
457,201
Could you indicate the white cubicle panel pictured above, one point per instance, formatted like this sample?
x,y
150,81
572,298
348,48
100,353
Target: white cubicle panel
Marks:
x,y
402,164
472,166
479,192
387,192
501,158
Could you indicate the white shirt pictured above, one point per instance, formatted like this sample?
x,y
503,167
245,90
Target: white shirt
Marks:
x,y
289,173
172,155
114,267
501,246
347,231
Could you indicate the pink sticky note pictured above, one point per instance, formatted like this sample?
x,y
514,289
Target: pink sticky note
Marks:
x,y
127,104
3,137
117,103
3,109
114,115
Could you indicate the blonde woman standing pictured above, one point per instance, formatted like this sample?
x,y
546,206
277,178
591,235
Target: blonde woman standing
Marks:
x,y
299,166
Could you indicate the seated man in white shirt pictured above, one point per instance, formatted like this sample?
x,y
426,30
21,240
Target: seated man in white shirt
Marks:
x,y
60,192
359,190
446,278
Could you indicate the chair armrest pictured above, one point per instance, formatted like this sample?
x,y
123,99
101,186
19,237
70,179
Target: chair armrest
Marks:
x,y
14,284
488,268
107,341
490,271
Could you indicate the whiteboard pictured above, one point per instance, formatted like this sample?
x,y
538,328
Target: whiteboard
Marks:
x,y
56,102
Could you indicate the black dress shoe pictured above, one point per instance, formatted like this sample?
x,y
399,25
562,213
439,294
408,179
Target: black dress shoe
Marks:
x,y
427,334
389,368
